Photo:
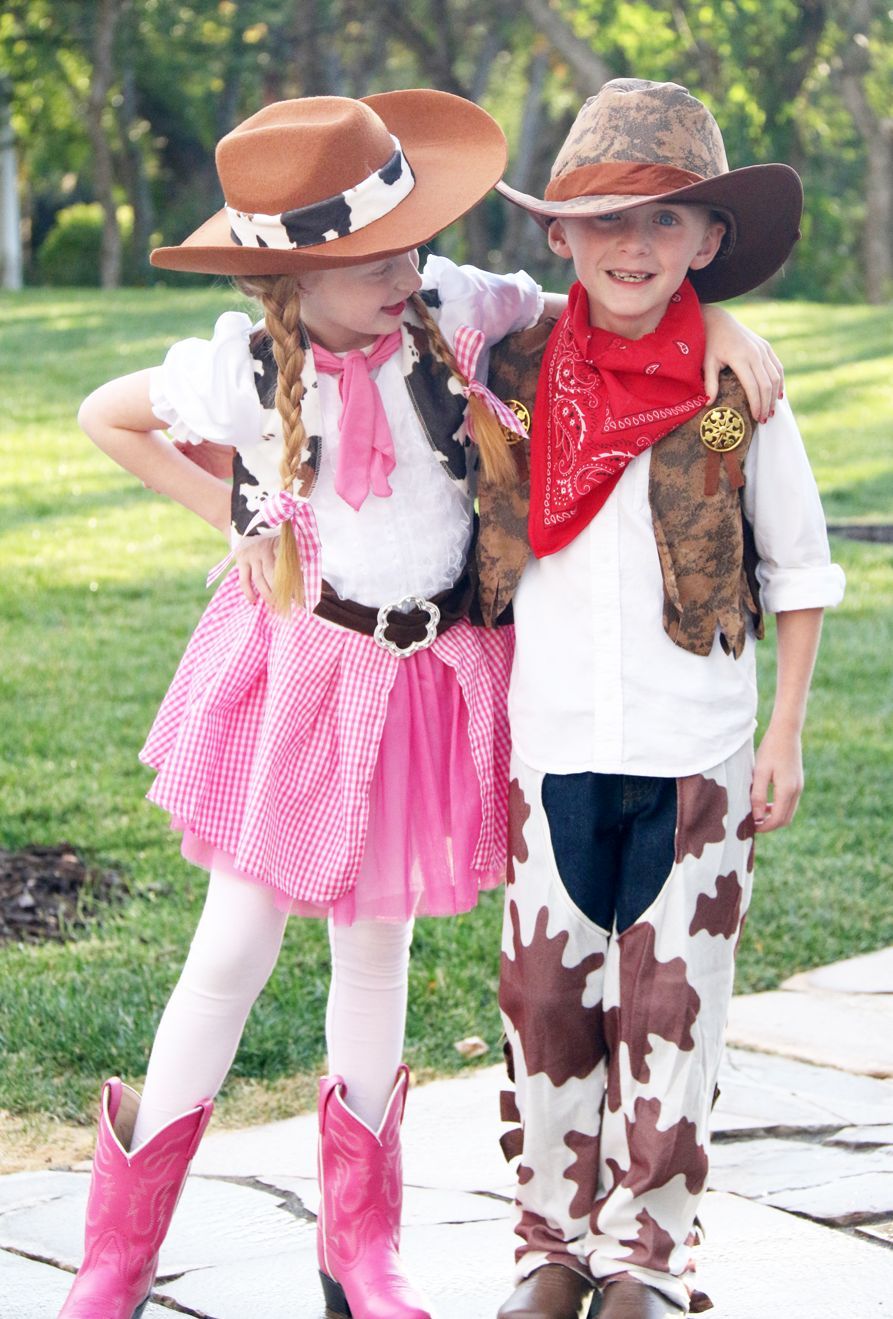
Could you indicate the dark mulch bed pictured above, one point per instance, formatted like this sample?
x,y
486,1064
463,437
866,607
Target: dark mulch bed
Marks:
x,y
49,892
879,532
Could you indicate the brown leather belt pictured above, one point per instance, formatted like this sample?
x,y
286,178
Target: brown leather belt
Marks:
x,y
398,629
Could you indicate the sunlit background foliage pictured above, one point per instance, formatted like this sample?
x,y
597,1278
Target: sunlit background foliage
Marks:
x,y
117,105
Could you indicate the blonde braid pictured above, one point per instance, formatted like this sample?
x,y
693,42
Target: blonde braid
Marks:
x,y
281,300
496,458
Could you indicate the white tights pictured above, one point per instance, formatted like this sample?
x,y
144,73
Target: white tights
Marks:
x,y
232,954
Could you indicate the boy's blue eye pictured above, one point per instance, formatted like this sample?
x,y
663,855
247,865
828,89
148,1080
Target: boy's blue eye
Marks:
x,y
666,218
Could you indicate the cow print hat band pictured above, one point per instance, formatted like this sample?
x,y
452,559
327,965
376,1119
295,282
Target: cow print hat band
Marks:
x,y
345,213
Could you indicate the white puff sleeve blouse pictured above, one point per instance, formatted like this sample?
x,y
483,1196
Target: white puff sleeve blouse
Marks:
x,y
414,542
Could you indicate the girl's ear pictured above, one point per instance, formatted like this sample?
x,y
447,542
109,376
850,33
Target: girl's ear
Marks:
x,y
557,240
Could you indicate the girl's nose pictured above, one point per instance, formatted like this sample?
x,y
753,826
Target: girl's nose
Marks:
x,y
408,276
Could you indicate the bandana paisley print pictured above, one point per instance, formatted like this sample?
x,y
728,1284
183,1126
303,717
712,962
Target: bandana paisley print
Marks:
x,y
601,401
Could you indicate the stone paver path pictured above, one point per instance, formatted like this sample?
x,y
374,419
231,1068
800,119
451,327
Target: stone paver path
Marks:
x,y
799,1220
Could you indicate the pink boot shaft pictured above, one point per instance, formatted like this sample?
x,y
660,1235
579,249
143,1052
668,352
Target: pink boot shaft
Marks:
x,y
131,1202
361,1197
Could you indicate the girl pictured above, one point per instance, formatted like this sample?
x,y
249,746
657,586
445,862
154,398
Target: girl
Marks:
x,y
334,742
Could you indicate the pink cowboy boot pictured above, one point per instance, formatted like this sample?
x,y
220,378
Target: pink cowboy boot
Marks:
x,y
130,1205
361,1195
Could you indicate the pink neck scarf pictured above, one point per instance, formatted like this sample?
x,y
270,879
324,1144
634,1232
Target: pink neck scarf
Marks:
x,y
366,455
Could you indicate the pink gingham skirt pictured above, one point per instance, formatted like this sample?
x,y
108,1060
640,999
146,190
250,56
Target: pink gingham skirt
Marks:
x,y
301,755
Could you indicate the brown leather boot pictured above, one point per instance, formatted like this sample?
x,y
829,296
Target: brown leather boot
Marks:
x,y
551,1292
633,1300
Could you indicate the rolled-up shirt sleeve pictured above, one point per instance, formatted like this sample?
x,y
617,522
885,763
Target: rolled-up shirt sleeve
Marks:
x,y
205,390
782,504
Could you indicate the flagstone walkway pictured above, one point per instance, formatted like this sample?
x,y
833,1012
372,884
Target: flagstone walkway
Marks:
x,y
799,1219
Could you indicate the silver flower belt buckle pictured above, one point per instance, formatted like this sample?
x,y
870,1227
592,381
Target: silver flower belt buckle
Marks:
x,y
403,606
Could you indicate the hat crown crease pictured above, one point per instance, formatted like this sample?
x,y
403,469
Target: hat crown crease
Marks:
x,y
335,145
644,123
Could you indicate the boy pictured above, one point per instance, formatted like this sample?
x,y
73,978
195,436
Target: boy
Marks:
x,y
660,529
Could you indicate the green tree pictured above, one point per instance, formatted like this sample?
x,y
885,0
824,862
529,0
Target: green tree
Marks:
x,y
122,102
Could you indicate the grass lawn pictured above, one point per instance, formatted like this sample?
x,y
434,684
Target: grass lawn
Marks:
x,y
101,584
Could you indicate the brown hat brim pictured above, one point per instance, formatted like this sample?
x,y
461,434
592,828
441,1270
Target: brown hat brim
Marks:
x,y
456,152
763,202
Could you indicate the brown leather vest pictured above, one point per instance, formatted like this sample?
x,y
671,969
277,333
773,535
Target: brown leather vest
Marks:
x,y
704,543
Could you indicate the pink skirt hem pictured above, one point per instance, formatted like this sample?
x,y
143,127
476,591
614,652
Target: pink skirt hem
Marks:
x,y
353,906
301,756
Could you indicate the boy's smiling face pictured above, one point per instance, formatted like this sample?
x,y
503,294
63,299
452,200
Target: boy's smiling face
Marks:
x,y
632,262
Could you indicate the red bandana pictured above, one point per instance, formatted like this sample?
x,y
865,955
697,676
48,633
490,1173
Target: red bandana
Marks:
x,y
600,401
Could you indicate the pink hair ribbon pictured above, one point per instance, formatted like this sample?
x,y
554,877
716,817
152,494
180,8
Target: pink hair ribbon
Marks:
x,y
467,345
277,509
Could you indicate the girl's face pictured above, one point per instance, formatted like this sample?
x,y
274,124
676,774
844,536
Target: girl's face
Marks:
x,y
351,306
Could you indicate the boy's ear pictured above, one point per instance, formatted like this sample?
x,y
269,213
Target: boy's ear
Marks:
x,y
557,240
716,232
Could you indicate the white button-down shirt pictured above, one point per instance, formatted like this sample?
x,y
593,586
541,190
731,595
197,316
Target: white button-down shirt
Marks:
x,y
598,685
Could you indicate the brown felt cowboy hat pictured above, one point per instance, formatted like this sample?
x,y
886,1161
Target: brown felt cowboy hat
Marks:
x,y
637,142
330,181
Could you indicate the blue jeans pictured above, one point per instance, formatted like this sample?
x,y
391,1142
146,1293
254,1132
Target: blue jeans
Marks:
x,y
613,838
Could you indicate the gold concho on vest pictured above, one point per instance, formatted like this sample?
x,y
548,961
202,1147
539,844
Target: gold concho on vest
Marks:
x,y
722,430
523,415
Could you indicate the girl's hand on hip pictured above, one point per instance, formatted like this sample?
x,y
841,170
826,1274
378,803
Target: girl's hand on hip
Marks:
x,y
214,458
256,561
729,343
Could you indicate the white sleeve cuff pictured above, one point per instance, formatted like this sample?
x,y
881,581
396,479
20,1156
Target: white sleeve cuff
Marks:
x,y
783,589
205,390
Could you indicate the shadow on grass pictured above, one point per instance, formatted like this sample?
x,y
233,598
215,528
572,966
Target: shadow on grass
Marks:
x,y
812,337
81,323
830,402
863,343
859,498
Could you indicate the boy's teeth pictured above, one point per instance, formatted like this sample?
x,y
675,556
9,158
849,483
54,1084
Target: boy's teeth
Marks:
x,y
628,278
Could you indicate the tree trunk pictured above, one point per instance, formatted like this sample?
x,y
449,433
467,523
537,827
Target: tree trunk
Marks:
x,y
311,46
877,246
226,109
431,40
877,135
106,18
135,171
524,241
490,48
10,213
589,69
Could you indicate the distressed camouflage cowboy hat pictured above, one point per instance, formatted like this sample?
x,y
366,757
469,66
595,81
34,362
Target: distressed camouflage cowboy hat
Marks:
x,y
637,142
330,181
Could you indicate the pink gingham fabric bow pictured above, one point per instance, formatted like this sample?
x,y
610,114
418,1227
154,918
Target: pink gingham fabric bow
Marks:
x,y
467,346
275,510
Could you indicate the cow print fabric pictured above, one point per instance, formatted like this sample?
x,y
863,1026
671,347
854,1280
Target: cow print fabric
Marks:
x,y
615,1039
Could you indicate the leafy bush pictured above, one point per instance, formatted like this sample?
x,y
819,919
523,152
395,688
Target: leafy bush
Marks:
x,y
69,255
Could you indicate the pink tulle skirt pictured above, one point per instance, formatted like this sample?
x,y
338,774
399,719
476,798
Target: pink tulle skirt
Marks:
x,y
385,796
